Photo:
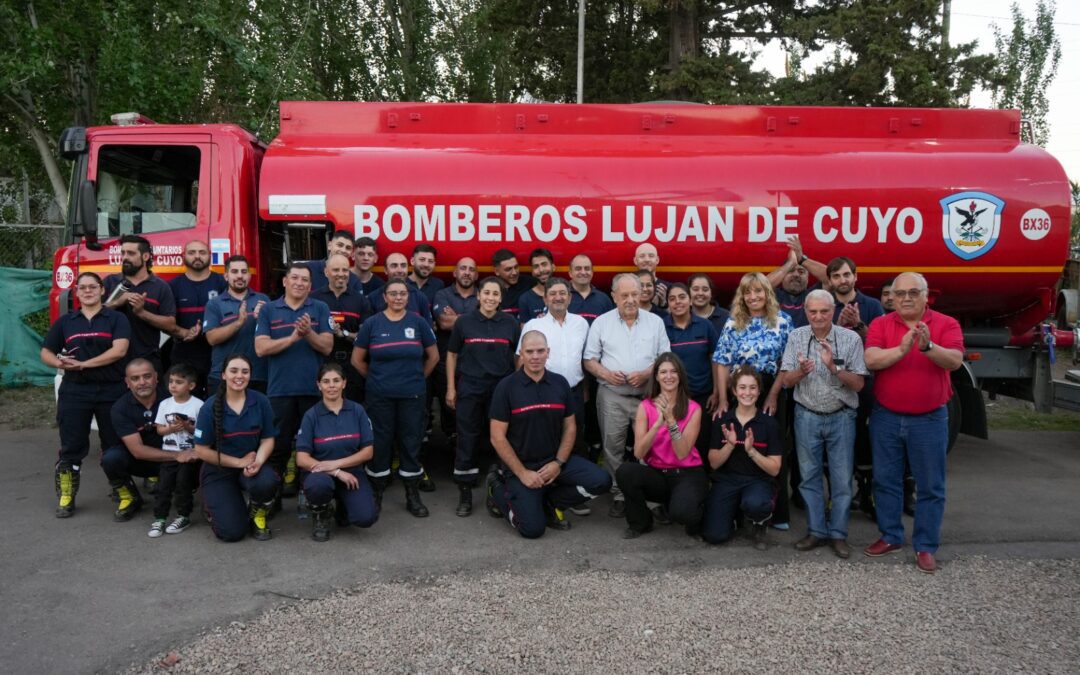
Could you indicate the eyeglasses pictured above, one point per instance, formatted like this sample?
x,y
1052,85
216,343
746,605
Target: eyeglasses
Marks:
x,y
913,293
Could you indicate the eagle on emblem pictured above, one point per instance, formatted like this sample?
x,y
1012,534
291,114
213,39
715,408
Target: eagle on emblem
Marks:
x,y
970,232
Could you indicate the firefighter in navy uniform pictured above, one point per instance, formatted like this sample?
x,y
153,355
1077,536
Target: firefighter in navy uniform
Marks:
x,y
533,431
348,309
88,344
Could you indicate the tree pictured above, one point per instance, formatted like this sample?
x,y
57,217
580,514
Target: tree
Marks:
x,y
1028,58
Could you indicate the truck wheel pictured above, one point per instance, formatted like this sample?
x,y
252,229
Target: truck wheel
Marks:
x,y
955,419
1068,306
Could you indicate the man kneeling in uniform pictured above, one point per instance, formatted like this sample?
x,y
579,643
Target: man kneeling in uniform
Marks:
x,y
533,430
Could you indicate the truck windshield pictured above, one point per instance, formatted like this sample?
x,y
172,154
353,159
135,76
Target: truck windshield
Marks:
x,y
143,189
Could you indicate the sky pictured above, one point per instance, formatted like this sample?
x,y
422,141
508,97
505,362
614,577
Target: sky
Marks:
x,y
972,20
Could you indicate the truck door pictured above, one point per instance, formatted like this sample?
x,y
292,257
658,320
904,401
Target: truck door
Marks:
x,y
153,185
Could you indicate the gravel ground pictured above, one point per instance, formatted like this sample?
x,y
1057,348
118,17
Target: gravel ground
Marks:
x,y
975,615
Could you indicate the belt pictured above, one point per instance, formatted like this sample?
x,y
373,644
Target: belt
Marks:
x,y
821,414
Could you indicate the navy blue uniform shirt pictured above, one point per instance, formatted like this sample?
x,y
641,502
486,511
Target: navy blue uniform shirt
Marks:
x,y
535,412
327,435
718,318
511,295
319,280
485,350
131,417
430,288
86,338
222,311
449,297
191,298
240,434
766,441
694,345
395,354
293,371
869,308
348,311
590,307
371,287
530,306
145,339
418,304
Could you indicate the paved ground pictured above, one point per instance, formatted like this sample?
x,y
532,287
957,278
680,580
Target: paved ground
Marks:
x,y
88,595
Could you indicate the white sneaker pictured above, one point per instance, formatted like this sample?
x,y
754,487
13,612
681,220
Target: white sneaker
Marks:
x,y
177,526
157,528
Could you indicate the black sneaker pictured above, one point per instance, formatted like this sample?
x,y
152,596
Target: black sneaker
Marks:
x,y
660,514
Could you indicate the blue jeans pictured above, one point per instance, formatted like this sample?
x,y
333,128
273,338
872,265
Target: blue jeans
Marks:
x,y
818,437
923,441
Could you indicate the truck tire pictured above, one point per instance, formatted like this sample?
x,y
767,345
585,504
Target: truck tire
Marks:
x,y
955,419
1068,305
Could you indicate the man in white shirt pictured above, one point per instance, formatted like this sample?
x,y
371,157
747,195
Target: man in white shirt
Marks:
x,y
565,333
619,351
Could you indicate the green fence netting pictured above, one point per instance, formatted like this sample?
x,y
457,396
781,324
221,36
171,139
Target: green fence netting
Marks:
x,y
23,292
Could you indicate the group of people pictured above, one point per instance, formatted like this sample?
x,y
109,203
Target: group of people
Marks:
x,y
692,410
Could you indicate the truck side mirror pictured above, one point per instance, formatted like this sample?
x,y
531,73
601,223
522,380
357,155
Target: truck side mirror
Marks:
x,y
86,221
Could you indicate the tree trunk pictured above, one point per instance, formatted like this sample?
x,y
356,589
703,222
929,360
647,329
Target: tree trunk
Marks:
x,y
684,39
48,160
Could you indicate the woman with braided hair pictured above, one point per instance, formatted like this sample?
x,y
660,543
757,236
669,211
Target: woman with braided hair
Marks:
x,y
234,436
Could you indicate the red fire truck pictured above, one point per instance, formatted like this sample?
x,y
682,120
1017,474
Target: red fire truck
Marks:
x,y
954,194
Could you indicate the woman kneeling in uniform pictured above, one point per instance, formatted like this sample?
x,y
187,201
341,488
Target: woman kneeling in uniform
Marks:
x,y
334,442
234,436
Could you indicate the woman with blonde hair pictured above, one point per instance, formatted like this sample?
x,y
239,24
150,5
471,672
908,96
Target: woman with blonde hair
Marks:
x,y
755,335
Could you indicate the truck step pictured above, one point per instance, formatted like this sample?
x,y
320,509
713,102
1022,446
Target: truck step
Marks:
x,y
1067,392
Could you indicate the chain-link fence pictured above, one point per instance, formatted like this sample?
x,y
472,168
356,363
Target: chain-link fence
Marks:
x,y
30,247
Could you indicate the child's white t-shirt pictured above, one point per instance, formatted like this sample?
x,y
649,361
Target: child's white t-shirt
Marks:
x,y
167,412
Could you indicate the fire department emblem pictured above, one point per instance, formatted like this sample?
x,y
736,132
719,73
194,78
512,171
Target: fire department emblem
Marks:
x,y
410,333
971,222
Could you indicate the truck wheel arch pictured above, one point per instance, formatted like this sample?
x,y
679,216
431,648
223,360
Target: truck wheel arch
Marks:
x,y
967,411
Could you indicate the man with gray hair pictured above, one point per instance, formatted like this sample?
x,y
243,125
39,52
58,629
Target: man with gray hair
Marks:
x,y
823,364
619,352
912,352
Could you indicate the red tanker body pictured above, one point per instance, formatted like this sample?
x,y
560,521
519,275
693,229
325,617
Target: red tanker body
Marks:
x,y
951,193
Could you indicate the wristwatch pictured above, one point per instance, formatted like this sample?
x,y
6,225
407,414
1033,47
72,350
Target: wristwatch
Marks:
x,y
929,346
560,462
803,258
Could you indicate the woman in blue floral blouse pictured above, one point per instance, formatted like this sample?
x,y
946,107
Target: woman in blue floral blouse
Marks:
x,y
755,334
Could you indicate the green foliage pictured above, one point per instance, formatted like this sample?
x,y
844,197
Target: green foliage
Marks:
x,y
186,61
1028,57
1074,228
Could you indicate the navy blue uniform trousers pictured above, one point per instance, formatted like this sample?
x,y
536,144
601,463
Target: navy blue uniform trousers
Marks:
x,y
579,481
223,497
359,504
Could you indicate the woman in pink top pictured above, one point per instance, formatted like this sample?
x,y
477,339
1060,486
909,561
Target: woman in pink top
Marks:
x,y
669,468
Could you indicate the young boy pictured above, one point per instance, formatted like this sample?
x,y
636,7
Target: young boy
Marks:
x,y
176,423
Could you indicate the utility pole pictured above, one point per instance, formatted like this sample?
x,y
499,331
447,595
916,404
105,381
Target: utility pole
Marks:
x,y
580,51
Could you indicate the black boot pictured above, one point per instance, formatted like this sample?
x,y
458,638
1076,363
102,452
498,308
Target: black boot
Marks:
x,y
492,482
321,521
67,486
464,506
760,532
426,484
128,500
259,513
412,500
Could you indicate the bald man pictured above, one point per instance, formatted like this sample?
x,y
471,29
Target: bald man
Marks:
x,y
647,258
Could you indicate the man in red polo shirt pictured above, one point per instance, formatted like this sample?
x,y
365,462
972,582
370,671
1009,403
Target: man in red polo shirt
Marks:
x,y
912,351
